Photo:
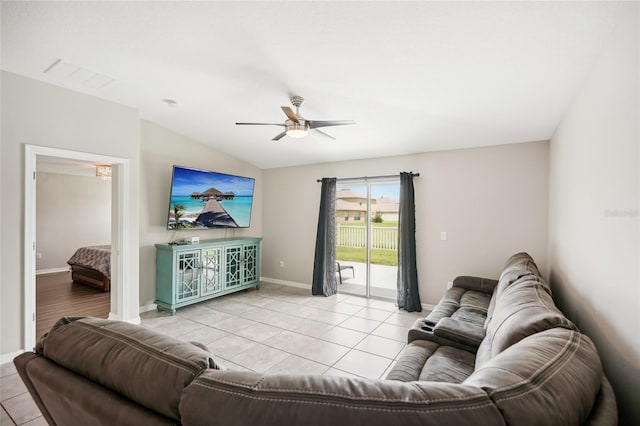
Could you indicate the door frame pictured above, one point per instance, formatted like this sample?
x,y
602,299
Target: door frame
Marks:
x,y
120,225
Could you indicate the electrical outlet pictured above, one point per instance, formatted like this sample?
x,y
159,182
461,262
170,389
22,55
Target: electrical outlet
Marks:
x,y
449,284
282,263
39,255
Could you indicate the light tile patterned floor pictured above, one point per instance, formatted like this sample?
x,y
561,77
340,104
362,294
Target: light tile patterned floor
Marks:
x,y
277,329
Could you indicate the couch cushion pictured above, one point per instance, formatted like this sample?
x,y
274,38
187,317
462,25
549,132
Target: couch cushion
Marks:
x,y
67,398
468,333
523,309
475,300
145,366
516,267
549,378
246,398
428,361
465,305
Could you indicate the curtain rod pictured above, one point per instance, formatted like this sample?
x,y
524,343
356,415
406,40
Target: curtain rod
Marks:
x,y
371,177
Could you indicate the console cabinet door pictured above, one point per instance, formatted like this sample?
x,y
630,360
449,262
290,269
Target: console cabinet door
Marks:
x,y
212,263
187,276
250,263
233,266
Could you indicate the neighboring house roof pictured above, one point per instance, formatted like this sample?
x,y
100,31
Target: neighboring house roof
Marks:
x,y
347,193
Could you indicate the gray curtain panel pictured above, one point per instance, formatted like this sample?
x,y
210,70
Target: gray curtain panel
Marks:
x,y
408,297
324,265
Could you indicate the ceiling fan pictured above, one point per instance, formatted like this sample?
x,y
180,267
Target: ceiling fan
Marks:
x,y
297,126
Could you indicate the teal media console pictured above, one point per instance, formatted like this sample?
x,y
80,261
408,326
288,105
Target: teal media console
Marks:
x,y
191,273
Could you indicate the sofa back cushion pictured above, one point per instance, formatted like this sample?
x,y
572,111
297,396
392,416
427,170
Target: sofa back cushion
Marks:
x,y
517,267
522,309
147,367
549,378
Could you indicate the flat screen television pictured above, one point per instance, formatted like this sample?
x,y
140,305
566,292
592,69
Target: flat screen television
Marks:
x,y
202,199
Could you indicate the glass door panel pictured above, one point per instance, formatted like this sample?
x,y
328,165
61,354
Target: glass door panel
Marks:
x,y
366,238
383,272
351,238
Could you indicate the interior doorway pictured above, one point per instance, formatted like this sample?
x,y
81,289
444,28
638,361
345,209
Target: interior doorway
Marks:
x,y
73,215
120,201
367,237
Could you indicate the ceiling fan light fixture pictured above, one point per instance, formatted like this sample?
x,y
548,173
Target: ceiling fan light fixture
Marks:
x,y
297,130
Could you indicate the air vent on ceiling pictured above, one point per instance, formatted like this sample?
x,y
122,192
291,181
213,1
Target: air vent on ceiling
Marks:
x,y
66,72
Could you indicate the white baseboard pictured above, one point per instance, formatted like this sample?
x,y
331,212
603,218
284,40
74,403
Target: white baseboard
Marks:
x,y
52,270
147,308
5,358
425,306
283,282
114,317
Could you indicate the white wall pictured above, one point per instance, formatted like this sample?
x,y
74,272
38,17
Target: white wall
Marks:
x,y
492,202
37,113
160,150
71,212
593,215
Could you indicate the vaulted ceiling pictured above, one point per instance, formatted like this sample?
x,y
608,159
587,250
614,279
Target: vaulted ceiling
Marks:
x,y
415,76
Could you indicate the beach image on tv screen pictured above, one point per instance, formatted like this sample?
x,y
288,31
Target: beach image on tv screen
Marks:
x,y
202,199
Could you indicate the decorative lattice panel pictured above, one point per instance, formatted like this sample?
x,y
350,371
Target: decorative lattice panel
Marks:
x,y
211,267
250,266
234,266
188,275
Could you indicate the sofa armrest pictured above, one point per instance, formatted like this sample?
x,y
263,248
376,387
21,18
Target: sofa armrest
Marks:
x,y
484,285
235,398
464,332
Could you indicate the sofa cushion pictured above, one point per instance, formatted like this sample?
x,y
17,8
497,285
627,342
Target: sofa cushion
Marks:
x,y
483,285
246,398
468,333
523,309
516,267
463,304
429,361
67,398
549,378
147,367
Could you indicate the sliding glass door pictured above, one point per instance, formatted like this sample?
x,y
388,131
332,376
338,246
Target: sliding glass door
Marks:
x,y
367,237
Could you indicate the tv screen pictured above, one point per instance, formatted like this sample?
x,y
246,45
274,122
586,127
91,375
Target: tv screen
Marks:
x,y
202,199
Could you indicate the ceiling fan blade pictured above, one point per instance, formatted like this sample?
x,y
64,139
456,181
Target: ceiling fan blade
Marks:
x,y
325,134
290,114
280,136
314,124
259,124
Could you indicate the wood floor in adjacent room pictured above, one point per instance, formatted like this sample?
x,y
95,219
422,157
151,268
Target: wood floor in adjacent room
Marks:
x,y
57,296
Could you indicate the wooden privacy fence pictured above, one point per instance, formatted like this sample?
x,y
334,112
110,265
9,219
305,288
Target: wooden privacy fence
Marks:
x,y
356,237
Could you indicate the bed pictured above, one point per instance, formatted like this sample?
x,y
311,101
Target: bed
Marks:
x,y
92,266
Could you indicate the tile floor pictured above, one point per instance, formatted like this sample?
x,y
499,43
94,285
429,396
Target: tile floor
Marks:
x,y
277,329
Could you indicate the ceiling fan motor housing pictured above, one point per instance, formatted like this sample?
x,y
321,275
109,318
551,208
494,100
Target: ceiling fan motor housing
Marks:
x,y
296,101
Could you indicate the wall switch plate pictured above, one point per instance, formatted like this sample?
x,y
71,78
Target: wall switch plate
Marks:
x,y
282,263
443,236
195,240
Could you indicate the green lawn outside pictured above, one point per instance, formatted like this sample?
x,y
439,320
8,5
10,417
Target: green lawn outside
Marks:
x,y
378,257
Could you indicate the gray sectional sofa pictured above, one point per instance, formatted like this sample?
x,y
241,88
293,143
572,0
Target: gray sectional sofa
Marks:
x,y
490,353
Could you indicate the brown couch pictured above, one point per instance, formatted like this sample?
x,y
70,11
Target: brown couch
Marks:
x,y
531,366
